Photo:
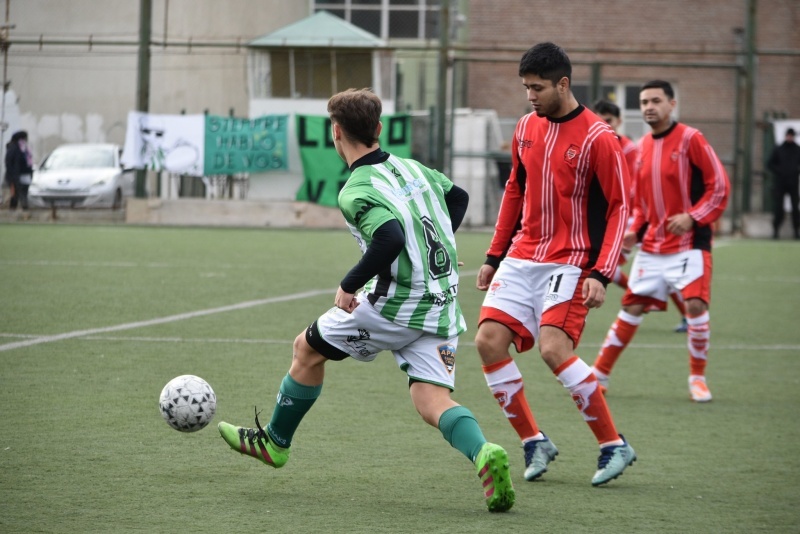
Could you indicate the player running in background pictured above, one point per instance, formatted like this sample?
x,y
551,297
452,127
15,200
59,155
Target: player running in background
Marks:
x,y
556,244
610,112
681,189
403,216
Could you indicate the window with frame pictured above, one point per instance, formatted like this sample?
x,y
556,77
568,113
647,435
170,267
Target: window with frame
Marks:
x,y
388,19
309,72
626,96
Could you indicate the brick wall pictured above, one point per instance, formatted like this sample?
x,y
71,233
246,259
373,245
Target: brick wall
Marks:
x,y
670,33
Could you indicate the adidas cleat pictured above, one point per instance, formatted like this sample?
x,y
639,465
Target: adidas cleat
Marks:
x,y
612,462
698,389
492,466
254,442
537,455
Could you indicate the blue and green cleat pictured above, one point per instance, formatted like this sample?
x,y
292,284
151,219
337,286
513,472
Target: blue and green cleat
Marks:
x,y
612,462
537,455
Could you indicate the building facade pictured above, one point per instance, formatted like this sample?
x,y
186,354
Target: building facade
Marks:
x,y
71,67
701,48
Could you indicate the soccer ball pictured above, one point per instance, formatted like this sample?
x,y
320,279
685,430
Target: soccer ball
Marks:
x,y
188,403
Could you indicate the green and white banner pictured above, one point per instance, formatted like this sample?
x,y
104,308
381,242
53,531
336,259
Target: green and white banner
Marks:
x,y
324,171
245,145
203,145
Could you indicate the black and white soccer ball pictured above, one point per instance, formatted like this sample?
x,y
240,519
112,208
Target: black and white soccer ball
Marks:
x,y
188,403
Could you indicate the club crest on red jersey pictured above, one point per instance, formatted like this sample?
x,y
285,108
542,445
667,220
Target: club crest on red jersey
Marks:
x,y
675,155
572,153
448,355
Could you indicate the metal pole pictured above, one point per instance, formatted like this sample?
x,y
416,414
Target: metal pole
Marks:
x,y
3,126
451,122
441,90
737,167
143,76
596,87
749,94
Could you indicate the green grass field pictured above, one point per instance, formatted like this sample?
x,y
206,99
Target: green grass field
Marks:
x,y
96,319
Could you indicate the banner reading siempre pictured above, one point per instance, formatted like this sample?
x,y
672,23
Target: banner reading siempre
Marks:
x,y
324,171
234,145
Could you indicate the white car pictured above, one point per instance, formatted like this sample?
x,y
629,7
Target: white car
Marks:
x,y
82,176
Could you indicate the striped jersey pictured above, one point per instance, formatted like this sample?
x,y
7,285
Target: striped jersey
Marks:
x,y
677,171
569,190
630,154
419,290
629,151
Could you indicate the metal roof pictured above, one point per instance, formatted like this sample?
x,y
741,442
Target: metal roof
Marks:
x,y
320,30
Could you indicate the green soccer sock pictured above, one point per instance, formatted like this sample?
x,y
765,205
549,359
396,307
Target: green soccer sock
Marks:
x,y
461,430
294,401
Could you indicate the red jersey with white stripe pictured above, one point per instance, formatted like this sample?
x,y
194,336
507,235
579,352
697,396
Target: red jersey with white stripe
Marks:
x,y
678,172
568,194
629,151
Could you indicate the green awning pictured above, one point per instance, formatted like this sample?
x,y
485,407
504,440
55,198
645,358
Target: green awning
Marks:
x,y
321,30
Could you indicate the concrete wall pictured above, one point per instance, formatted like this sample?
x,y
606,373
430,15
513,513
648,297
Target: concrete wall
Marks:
x,y
248,213
82,93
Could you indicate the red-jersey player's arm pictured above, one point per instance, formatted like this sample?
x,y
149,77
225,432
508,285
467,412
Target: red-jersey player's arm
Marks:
x,y
612,174
715,181
508,218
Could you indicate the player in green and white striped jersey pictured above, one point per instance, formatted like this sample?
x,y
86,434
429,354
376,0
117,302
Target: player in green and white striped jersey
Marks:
x,y
419,291
403,216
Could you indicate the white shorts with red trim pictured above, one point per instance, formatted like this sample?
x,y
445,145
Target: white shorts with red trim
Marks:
x,y
526,295
654,276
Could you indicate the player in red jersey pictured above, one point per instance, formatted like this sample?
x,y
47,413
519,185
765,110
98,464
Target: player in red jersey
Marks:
x,y
681,190
556,244
610,112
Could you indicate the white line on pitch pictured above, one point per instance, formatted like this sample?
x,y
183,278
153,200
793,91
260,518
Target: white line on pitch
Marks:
x,y
37,340
263,341
162,320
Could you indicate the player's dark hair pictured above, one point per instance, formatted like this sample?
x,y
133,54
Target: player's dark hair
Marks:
x,y
548,61
358,112
604,107
659,84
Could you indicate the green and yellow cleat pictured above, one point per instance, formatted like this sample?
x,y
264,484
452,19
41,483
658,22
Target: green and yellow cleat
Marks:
x,y
254,442
492,466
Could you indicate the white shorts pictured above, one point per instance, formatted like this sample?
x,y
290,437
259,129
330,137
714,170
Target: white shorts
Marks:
x,y
657,275
364,333
529,295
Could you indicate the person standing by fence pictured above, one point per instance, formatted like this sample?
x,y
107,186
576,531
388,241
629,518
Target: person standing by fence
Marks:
x,y
784,163
19,170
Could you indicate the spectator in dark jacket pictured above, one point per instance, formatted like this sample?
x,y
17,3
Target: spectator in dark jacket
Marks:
x,y
19,169
784,163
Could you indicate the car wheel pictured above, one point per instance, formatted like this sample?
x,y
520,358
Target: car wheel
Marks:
x,y
117,200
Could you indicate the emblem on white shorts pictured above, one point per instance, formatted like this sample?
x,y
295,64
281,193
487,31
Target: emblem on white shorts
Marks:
x,y
496,285
447,353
